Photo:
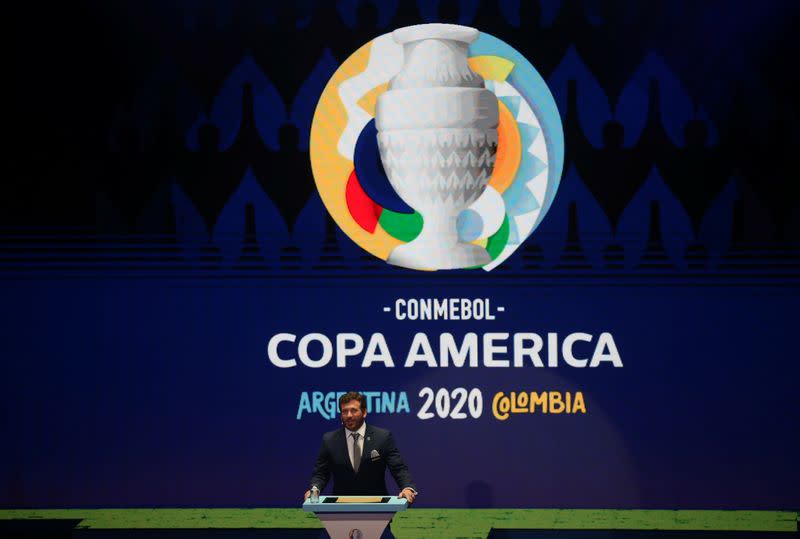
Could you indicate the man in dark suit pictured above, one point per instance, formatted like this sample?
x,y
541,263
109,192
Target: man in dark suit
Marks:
x,y
358,454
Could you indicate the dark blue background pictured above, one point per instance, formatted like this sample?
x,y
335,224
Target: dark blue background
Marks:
x,y
160,393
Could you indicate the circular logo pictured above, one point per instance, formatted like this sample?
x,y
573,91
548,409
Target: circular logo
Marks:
x,y
406,183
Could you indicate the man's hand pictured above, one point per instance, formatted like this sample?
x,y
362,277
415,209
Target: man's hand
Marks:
x,y
408,494
308,493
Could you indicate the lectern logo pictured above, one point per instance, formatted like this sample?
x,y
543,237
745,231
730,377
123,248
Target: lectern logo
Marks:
x,y
437,147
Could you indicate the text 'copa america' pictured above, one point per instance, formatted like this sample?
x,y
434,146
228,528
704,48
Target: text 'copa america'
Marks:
x,y
316,350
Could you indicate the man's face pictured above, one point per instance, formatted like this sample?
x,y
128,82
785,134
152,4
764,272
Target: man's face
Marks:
x,y
352,415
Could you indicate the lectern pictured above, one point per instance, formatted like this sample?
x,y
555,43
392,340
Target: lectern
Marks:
x,y
356,517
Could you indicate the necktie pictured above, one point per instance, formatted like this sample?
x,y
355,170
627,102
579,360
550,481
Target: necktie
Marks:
x,y
356,452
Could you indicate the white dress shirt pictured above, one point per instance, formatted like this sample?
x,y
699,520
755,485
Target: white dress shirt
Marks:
x,y
350,441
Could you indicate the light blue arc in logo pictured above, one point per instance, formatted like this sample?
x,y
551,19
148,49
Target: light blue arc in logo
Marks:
x,y
530,84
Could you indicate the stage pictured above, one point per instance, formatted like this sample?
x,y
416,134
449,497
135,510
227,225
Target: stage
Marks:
x,y
413,524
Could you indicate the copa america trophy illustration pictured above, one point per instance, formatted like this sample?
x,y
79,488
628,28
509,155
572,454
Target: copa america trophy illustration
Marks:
x,y
437,135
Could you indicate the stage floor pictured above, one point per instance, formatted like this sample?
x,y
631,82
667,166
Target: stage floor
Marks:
x,y
414,524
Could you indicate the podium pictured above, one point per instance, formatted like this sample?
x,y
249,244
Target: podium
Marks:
x,y
356,517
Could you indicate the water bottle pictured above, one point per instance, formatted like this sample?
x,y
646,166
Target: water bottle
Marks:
x,y
314,498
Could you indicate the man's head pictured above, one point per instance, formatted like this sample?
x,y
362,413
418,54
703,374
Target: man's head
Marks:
x,y
353,406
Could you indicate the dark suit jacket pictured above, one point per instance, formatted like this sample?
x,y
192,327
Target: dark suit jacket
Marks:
x,y
334,460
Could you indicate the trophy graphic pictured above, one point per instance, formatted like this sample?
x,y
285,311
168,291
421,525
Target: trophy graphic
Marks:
x,y
437,135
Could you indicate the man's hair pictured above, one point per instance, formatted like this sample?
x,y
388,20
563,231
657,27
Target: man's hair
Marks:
x,y
353,396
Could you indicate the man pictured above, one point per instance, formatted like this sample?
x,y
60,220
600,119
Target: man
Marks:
x,y
358,454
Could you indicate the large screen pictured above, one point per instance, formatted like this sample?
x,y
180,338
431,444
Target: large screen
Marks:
x,y
192,274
